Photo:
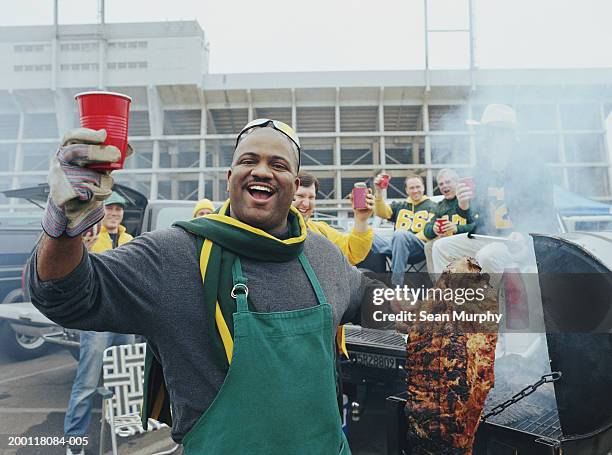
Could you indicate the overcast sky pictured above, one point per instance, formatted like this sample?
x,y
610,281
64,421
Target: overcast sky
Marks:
x,y
314,35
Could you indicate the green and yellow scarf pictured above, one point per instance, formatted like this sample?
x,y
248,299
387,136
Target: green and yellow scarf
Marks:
x,y
220,239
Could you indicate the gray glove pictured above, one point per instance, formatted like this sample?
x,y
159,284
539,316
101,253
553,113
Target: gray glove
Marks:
x,y
77,192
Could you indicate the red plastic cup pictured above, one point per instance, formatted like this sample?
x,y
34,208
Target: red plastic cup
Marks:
x,y
110,111
469,182
384,182
440,223
359,196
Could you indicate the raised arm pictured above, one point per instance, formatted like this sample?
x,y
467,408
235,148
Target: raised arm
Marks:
x,y
130,289
75,200
58,257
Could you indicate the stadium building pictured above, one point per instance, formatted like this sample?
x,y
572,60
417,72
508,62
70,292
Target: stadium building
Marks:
x,y
184,120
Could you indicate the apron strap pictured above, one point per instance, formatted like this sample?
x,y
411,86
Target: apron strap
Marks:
x,y
314,282
240,291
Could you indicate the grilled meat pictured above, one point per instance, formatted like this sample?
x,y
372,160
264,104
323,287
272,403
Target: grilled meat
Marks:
x,y
450,369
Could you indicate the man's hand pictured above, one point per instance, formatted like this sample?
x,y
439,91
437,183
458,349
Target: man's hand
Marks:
x,y
449,228
77,192
362,215
464,194
398,307
377,188
437,230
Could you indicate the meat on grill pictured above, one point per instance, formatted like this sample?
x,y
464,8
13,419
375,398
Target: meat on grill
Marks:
x,y
450,368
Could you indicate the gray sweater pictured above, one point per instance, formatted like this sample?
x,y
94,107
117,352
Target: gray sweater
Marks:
x,y
152,287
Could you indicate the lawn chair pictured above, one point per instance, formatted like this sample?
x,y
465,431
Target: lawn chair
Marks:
x,y
123,378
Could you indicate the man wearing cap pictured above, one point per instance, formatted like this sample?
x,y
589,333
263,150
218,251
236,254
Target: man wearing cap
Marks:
x,y
92,344
112,232
244,287
514,196
202,208
356,244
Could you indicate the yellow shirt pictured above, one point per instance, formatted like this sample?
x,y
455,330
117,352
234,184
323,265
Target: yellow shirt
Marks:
x,y
354,245
104,241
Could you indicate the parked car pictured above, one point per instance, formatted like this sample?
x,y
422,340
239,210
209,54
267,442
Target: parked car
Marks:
x,y
24,332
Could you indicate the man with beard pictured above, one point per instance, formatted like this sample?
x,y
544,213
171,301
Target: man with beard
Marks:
x,y
514,196
245,286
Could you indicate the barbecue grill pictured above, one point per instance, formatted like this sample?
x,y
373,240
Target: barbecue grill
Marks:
x,y
570,413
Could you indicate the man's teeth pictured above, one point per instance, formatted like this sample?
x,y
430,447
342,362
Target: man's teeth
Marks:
x,y
260,188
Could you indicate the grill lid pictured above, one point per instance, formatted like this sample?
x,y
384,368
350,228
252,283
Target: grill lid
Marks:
x,y
585,359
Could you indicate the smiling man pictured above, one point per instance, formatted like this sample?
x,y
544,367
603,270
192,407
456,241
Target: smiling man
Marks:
x,y
112,233
453,211
356,244
409,218
245,286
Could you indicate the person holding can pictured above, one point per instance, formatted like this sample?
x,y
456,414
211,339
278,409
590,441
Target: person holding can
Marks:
x,y
245,287
452,215
409,218
357,243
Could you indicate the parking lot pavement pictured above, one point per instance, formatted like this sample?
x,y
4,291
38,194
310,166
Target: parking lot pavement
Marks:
x,y
34,395
33,399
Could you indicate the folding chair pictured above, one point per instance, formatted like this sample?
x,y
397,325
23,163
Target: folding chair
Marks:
x,y
123,379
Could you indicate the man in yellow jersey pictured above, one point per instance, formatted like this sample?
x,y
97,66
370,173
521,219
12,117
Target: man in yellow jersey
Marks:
x,y
409,218
356,244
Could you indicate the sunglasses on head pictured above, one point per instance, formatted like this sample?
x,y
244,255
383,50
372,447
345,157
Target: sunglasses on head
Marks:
x,y
277,125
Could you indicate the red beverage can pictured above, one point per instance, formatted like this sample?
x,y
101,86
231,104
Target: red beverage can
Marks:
x,y
469,182
109,111
384,182
360,190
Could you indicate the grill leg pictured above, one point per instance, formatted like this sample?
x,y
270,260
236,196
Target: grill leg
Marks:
x,y
397,442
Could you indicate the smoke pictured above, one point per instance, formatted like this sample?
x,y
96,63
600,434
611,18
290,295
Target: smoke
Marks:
x,y
528,163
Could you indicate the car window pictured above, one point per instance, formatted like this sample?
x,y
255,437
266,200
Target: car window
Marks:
x,y
168,215
19,220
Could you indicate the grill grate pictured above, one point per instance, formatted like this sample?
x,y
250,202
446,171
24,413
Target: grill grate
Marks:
x,y
546,424
374,337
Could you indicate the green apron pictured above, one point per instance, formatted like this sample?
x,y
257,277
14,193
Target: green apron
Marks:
x,y
279,395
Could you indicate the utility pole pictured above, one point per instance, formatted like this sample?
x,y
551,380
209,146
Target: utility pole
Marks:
x,y
472,42
101,46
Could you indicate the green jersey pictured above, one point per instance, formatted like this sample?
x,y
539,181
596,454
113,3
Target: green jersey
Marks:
x,y
448,209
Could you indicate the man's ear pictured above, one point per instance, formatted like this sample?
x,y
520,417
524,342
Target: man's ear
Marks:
x,y
229,174
297,183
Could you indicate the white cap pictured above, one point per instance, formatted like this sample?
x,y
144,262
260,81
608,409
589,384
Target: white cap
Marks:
x,y
499,115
